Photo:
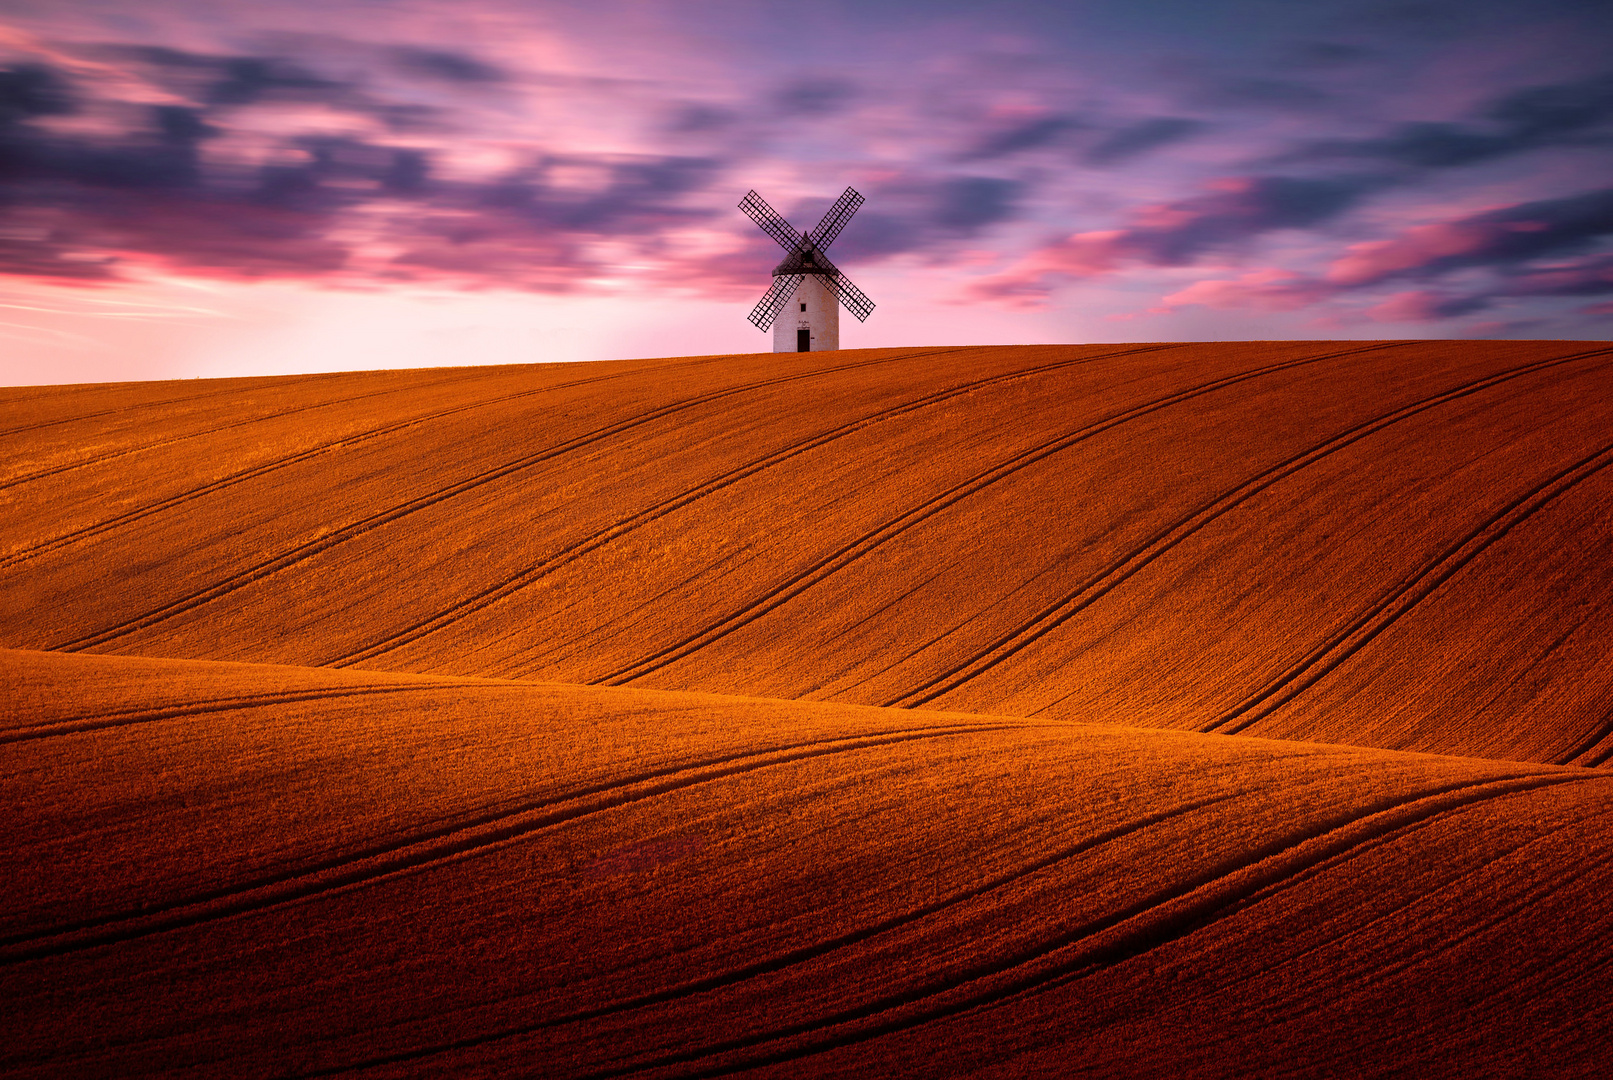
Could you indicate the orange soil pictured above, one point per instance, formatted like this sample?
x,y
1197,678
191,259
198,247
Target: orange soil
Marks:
x,y
988,580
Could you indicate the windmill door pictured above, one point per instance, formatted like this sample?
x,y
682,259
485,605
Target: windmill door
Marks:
x,y
803,339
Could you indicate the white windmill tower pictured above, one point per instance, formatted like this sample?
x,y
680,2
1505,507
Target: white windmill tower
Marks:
x,y
803,306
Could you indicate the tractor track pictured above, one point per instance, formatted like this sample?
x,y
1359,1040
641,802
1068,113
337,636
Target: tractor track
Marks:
x,y
88,531
1137,929
133,717
514,583
793,958
1405,595
145,405
1383,919
314,547
1589,743
420,850
113,455
1110,577
849,553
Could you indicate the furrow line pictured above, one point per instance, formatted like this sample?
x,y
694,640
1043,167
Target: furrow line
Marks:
x,y
137,405
1494,917
1499,916
844,556
78,725
305,551
1342,851
127,451
576,550
1589,743
1338,859
917,646
1133,561
784,961
272,466
1600,759
1167,916
1404,596
421,850
1365,930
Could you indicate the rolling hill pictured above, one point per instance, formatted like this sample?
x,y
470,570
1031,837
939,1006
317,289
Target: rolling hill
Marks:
x,y
835,713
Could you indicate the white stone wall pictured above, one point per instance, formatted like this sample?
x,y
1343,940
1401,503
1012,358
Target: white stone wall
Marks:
x,y
821,317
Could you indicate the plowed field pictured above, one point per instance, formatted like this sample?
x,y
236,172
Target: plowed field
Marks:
x,y
1176,709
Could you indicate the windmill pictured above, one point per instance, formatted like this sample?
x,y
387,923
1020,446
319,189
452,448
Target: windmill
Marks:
x,y
803,306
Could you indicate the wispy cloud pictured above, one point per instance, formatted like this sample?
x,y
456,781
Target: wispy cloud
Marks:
x,y
1232,212
1503,238
1524,250
1577,113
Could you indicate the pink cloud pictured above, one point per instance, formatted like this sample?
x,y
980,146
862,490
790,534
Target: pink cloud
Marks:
x,y
1498,328
1412,250
1417,306
1259,290
1585,277
1506,237
1084,255
1226,213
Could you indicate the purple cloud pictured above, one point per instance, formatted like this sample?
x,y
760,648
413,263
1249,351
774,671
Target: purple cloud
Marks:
x,y
1507,243
1520,121
1231,213
1021,135
1500,238
1141,137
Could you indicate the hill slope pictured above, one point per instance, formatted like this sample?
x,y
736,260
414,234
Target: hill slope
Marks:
x,y
1394,544
232,870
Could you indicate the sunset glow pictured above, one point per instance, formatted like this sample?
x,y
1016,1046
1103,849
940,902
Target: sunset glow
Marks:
x,y
199,188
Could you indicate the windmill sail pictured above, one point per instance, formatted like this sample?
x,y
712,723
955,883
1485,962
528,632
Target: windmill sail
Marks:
x,y
805,256
855,300
835,219
771,221
773,301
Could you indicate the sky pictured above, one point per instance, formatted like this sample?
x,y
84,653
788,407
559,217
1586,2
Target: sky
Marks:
x,y
196,188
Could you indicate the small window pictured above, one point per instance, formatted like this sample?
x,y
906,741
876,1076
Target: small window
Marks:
x,y
803,305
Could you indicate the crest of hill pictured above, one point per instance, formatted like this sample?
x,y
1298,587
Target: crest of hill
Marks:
x,y
1399,545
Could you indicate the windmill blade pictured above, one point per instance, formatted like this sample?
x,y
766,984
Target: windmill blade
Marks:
x,y
774,299
836,219
771,221
855,299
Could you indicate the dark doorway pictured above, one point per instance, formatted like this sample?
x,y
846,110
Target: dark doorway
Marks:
x,y
803,339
